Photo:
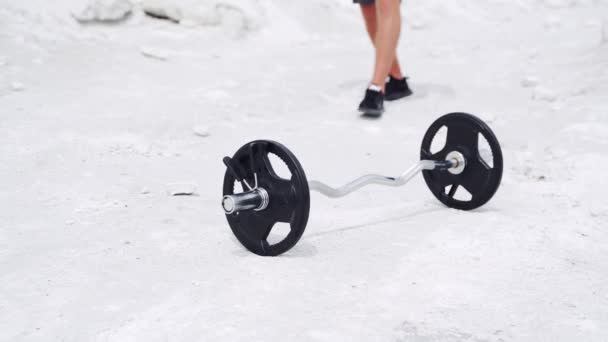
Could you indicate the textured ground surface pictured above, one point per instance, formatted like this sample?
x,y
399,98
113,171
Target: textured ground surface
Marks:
x,y
97,121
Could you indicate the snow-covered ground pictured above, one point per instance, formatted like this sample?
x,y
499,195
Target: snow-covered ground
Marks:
x,y
97,121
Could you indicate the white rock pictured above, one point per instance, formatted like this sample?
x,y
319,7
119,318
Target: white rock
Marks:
x,y
593,24
533,55
418,24
144,191
560,3
17,86
182,189
552,22
154,53
162,9
104,11
544,94
579,91
216,94
236,16
529,82
201,131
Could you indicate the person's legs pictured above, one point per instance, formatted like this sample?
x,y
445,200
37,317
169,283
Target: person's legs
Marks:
x,y
388,27
369,15
383,23
369,12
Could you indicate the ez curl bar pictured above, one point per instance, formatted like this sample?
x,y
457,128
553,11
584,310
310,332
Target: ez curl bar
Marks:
x,y
267,198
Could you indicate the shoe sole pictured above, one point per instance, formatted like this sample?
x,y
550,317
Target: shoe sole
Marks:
x,y
374,113
397,96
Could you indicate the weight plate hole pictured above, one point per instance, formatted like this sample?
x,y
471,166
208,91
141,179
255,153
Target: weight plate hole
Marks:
x,y
279,232
439,140
279,167
485,151
458,193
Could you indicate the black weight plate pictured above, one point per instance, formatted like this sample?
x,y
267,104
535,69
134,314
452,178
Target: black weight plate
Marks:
x,y
289,198
478,178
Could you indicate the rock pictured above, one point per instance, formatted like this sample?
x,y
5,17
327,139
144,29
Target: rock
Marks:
x,y
552,22
544,94
201,131
560,3
182,189
144,191
154,53
529,82
235,16
418,24
17,86
216,94
533,55
579,91
104,11
162,10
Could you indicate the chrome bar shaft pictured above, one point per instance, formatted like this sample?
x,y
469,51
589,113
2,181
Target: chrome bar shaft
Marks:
x,y
256,199
371,179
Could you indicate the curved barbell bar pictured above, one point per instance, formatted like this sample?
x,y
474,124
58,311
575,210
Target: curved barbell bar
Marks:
x,y
371,179
246,200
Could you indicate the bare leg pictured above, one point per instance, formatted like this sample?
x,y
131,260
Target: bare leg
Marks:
x,y
369,15
396,69
371,24
388,28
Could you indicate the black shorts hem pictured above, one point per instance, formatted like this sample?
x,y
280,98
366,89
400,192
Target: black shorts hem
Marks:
x,y
364,2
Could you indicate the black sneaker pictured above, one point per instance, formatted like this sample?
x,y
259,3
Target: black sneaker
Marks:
x,y
372,104
396,89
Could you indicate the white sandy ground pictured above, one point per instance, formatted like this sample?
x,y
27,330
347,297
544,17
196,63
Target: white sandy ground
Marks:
x,y
97,123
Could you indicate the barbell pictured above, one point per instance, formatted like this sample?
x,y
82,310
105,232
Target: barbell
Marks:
x,y
266,199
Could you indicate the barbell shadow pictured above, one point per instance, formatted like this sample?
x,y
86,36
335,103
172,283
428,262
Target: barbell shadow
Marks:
x,y
304,249
374,223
